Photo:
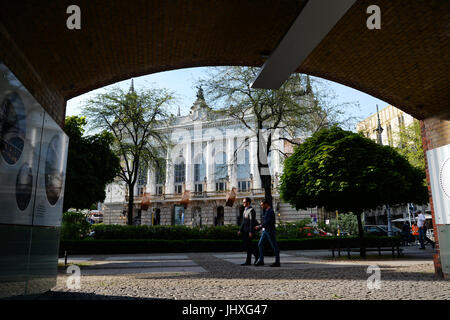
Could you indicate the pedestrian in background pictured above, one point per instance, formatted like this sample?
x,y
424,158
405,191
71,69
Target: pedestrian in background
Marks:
x,y
420,223
415,232
248,232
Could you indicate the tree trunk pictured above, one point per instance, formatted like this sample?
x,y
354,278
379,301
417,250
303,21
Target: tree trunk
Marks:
x,y
361,236
266,181
130,204
263,164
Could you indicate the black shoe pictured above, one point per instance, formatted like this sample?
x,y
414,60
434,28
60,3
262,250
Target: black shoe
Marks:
x,y
246,264
276,264
422,248
259,263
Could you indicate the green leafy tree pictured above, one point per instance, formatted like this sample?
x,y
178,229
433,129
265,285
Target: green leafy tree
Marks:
x,y
91,165
347,223
410,144
342,170
135,119
74,226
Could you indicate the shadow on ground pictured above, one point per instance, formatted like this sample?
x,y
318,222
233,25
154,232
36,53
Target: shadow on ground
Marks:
x,y
57,295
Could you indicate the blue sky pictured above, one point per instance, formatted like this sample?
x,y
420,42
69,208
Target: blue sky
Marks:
x,y
183,81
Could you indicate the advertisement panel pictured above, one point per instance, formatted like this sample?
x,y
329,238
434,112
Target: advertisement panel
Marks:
x,y
33,156
52,175
21,121
439,169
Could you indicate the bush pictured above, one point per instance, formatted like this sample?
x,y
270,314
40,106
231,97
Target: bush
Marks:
x,y
113,232
74,226
209,245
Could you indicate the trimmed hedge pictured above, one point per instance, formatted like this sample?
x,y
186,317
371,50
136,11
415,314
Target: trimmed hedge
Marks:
x,y
128,246
115,232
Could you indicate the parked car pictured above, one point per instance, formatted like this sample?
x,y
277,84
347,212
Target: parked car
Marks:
x,y
381,230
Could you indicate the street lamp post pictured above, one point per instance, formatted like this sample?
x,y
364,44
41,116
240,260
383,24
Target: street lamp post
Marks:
x,y
380,142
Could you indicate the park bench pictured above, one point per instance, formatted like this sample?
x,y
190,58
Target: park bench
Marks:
x,y
392,247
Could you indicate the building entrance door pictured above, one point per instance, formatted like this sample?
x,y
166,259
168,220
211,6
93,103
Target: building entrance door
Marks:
x,y
219,221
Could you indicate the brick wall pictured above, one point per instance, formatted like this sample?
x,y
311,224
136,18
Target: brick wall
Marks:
x,y
435,134
17,62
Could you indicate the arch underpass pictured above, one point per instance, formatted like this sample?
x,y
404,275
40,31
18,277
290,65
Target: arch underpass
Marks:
x,y
405,63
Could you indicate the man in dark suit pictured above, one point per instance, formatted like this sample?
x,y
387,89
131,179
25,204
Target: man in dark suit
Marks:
x,y
248,232
268,234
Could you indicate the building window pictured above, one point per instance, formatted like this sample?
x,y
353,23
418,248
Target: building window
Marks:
x,y
199,169
142,176
220,186
159,190
198,187
244,186
160,174
220,165
178,188
180,170
243,165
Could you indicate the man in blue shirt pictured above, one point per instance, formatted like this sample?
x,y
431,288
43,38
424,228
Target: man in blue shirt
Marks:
x,y
268,233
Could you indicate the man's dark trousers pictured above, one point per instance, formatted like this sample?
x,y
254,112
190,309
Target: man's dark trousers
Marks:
x,y
271,237
249,247
422,237
268,234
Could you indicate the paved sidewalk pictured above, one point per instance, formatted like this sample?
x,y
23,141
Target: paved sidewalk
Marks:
x,y
302,275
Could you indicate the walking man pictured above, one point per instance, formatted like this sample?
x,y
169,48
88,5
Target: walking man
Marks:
x,y
422,231
248,232
268,234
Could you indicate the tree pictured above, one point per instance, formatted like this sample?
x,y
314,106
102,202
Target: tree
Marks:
x,y
342,170
91,164
347,223
410,144
134,118
271,115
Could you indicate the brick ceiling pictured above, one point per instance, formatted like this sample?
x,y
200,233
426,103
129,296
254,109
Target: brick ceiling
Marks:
x,y
406,63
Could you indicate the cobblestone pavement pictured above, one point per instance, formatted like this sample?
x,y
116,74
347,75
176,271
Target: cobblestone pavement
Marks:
x,y
303,275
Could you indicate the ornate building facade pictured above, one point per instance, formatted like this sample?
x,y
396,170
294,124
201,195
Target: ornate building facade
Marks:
x,y
211,157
